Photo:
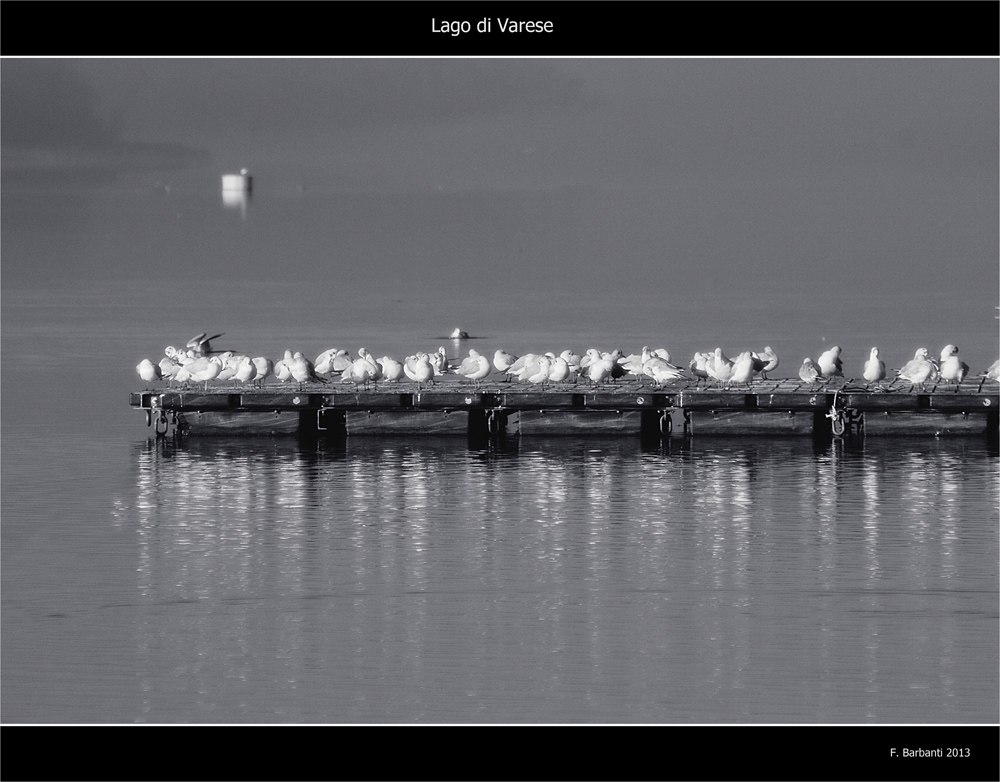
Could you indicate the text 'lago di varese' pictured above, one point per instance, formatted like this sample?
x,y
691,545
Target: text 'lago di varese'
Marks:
x,y
486,25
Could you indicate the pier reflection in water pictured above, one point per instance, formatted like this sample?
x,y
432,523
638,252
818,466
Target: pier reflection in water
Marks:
x,y
565,579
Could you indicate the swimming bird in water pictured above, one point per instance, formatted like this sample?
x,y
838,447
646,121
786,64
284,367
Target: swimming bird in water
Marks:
x,y
200,344
919,369
830,364
952,368
809,372
874,368
770,359
476,367
149,371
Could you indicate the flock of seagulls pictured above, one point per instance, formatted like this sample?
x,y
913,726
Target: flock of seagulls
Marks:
x,y
198,363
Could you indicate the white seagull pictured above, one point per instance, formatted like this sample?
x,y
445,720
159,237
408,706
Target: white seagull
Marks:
x,y
149,371
919,369
809,371
874,368
830,363
475,367
200,344
392,370
265,368
419,369
952,367
770,359
993,373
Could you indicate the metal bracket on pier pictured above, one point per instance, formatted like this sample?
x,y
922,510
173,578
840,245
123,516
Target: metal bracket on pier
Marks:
x,y
842,419
494,422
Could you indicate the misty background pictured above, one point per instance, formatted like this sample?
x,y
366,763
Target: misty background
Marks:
x,y
788,191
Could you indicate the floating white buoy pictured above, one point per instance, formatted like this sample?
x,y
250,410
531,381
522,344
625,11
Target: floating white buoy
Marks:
x,y
241,181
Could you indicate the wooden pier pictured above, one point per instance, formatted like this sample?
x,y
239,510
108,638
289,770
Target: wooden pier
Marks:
x,y
497,410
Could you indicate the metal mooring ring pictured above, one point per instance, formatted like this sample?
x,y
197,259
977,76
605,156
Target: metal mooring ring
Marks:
x,y
162,420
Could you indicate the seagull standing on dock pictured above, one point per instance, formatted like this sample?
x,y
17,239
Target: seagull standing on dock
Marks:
x,y
538,372
830,364
283,367
419,369
559,370
743,368
809,372
168,368
597,368
149,371
919,369
952,368
392,370
303,371
661,370
720,367
265,368
246,371
476,367
439,361
770,359
204,372
993,373
699,366
503,361
365,369
874,368
324,361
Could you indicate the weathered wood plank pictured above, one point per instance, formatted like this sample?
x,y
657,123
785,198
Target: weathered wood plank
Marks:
x,y
923,423
415,422
239,423
542,400
798,402
736,423
965,402
562,422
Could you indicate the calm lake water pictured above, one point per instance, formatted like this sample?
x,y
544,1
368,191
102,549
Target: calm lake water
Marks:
x,y
710,580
